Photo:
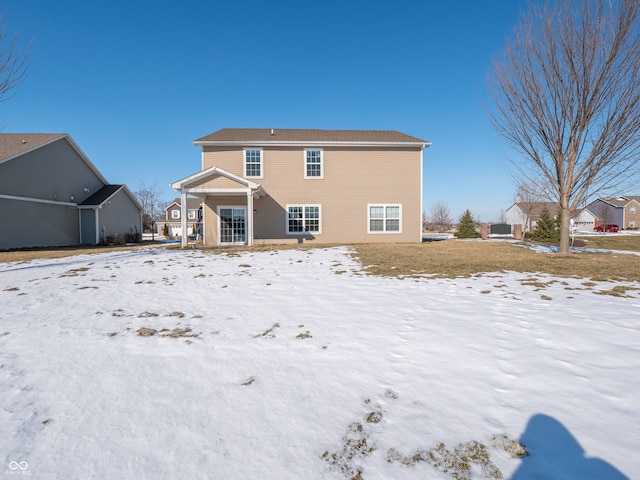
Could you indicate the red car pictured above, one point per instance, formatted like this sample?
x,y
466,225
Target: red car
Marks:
x,y
608,228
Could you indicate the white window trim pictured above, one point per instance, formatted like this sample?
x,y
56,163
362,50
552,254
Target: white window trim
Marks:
x,y
384,219
303,205
244,162
192,214
304,162
175,214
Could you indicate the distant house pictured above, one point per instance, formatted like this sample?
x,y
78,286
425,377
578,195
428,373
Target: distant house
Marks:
x,y
295,185
621,211
52,195
584,220
527,214
173,218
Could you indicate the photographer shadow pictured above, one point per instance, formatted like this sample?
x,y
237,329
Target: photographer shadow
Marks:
x,y
555,453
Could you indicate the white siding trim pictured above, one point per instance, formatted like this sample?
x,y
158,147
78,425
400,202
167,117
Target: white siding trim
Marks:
x,y
38,200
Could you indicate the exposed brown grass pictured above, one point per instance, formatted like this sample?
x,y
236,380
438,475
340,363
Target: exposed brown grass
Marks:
x,y
450,258
458,258
612,242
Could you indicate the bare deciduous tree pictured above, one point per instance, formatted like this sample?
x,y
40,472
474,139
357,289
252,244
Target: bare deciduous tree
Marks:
x,y
13,63
567,97
150,198
439,218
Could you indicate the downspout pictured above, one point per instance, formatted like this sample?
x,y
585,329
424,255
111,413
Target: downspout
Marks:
x,y
80,225
97,218
421,189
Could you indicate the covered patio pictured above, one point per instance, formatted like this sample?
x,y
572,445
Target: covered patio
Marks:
x,y
228,200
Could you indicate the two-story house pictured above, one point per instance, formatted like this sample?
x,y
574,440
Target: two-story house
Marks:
x,y
621,211
173,218
295,185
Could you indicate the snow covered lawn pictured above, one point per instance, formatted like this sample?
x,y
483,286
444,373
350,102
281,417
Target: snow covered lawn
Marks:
x,y
293,364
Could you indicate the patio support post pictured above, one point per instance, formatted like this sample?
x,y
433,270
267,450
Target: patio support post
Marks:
x,y
249,218
183,218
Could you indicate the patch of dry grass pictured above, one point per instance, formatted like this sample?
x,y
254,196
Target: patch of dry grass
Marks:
x,y
456,258
445,259
612,242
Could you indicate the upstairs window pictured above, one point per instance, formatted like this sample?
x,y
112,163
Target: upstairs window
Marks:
x,y
313,165
192,214
632,210
385,218
175,214
253,162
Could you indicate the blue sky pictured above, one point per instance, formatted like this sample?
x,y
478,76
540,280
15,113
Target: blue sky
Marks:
x,y
134,83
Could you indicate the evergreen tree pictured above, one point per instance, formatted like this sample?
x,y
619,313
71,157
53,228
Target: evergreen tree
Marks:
x,y
546,228
467,226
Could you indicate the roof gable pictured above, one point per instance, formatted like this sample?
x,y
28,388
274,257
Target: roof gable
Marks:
x,y
14,145
210,173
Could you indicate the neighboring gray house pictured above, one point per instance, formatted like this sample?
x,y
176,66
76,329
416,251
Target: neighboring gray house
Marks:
x,y
52,195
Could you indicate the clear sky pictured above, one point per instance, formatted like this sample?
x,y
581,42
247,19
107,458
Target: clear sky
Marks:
x,y
135,82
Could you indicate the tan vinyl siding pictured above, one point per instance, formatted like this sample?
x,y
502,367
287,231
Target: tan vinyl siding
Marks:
x,y
353,178
221,182
210,212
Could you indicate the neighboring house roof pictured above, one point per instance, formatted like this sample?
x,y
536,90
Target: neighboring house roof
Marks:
x,y
13,145
309,137
620,202
105,193
101,196
534,209
192,203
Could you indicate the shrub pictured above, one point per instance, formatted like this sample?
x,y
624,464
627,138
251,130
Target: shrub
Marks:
x,y
467,226
547,228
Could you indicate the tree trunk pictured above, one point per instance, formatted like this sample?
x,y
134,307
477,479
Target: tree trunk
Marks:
x,y
565,213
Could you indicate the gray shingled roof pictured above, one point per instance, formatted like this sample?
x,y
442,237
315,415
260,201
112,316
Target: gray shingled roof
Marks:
x,y
308,135
101,196
12,144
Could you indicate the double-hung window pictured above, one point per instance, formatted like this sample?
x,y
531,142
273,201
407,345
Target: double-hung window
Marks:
x,y
253,162
385,218
175,214
302,219
313,165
